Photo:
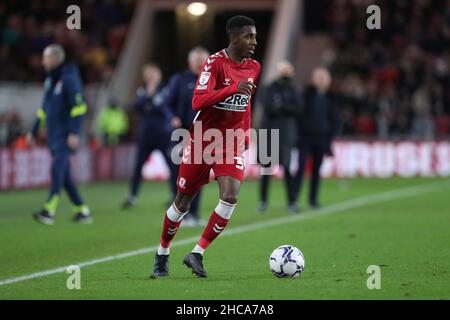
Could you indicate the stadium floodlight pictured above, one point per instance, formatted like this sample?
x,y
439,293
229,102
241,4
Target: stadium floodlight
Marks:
x,y
197,8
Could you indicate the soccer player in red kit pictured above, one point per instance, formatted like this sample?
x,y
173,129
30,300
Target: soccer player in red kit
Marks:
x,y
222,98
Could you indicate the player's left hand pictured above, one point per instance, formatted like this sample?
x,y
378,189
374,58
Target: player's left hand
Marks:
x,y
175,122
246,88
73,141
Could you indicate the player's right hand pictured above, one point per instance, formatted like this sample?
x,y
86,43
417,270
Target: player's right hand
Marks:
x,y
73,141
30,140
246,87
175,122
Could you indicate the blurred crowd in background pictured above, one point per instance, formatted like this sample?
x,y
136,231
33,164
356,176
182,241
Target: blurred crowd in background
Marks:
x,y
12,130
27,27
392,83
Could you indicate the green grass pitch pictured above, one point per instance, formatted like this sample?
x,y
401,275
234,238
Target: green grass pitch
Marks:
x,y
406,232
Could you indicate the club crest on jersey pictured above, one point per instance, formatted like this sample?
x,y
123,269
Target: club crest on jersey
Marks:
x,y
182,182
236,102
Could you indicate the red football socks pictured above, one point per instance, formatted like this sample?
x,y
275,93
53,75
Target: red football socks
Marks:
x,y
216,225
172,221
169,231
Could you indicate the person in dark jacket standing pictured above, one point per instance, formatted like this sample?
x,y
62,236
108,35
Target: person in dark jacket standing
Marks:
x,y
156,124
59,119
179,94
281,105
317,124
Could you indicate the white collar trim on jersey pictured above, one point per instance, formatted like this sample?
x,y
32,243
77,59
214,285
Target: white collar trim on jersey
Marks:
x,y
227,56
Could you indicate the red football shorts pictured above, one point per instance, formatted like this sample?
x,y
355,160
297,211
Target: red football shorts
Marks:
x,y
195,168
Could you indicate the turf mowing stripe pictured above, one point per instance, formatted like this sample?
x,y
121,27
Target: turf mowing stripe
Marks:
x,y
92,262
336,208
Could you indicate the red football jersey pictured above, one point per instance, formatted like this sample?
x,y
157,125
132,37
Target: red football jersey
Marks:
x,y
215,95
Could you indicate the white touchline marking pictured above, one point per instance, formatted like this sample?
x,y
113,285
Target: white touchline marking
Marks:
x,y
334,208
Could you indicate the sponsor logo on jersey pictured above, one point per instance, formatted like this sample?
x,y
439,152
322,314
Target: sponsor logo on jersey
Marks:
x,y
226,82
236,102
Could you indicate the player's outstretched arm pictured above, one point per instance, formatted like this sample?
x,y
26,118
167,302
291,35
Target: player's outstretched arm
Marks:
x,y
207,99
201,100
206,93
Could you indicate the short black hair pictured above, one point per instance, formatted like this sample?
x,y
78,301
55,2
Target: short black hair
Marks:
x,y
234,24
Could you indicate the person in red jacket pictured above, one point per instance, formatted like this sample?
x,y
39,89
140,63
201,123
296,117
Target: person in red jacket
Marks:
x,y
222,97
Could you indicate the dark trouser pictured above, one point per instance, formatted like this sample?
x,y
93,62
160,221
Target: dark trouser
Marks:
x,y
284,149
145,148
195,205
316,150
288,180
61,177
